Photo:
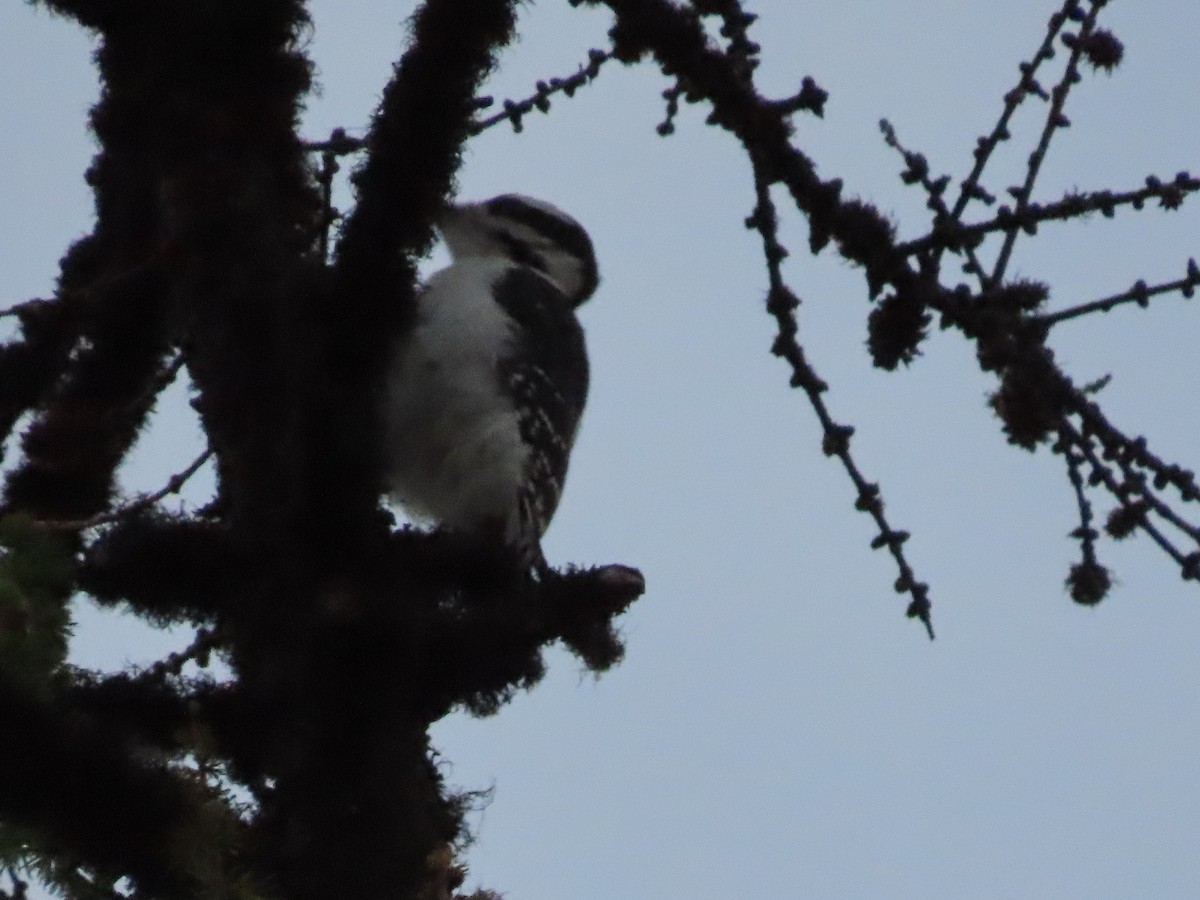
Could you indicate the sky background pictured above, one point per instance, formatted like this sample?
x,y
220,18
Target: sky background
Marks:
x,y
778,727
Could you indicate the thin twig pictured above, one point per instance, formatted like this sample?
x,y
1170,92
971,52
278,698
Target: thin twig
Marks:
x,y
329,168
514,110
156,385
782,303
1086,534
1102,472
173,486
205,642
339,144
17,308
918,171
1054,121
1117,444
93,288
1140,294
1137,481
948,234
1027,85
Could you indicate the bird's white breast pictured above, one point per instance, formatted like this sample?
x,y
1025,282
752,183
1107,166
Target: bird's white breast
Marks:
x,y
454,452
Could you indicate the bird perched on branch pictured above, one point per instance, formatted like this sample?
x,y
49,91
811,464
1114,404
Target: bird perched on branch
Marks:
x,y
484,394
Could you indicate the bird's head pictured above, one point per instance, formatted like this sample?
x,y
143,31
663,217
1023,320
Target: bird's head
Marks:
x,y
529,232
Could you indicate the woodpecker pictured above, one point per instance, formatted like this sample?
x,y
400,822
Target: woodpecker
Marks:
x,y
484,395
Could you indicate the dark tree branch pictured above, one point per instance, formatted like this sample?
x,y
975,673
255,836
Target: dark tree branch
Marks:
x,y
169,568
1028,85
917,172
514,111
21,309
1102,474
1055,119
1035,395
950,235
414,147
1088,581
347,640
30,364
677,40
192,156
1140,294
91,416
414,143
173,486
73,782
782,304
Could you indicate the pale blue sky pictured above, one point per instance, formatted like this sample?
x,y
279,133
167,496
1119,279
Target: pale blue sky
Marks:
x,y
778,728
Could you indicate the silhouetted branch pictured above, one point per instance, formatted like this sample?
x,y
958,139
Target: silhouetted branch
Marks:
x,y
782,304
486,624
1028,85
1140,294
168,568
30,364
1055,119
1134,503
950,235
73,446
1134,486
74,783
347,639
329,168
18,308
339,144
205,642
93,14
1035,396
1134,451
676,38
1088,581
51,327
917,172
173,486
413,141
515,110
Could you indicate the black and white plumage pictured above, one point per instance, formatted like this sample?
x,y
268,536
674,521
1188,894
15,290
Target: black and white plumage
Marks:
x,y
485,394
